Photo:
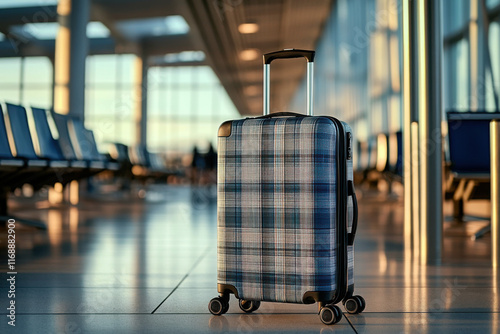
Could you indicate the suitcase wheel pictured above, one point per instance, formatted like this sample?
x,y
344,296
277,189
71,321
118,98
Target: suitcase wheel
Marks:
x,y
355,304
248,306
330,314
218,306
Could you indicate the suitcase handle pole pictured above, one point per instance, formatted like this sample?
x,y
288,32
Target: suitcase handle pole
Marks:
x,y
285,54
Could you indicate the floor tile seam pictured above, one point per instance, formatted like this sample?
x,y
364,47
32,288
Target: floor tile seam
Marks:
x,y
350,323
421,287
95,287
200,258
431,312
171,292
75,313
364,312
231,313
182,280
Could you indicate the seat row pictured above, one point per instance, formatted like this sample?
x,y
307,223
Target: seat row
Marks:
x,y
380,157
35,156
467,159
137,163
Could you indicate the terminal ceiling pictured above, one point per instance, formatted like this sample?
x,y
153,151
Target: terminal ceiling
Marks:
x,y
214,27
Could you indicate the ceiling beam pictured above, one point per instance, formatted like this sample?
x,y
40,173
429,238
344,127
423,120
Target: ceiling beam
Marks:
x,y
99,13
160,45
23,15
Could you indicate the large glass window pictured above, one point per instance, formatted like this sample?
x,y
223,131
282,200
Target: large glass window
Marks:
x,y
26,81
493,82
492,3
10,78
186,105
456,83
37,82
358,67
109,98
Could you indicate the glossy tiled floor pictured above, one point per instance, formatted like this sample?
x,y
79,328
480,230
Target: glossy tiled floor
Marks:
x,y
150,267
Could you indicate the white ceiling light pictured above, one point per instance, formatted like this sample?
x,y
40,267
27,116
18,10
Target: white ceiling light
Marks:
x,y
248,28
184,56
249,54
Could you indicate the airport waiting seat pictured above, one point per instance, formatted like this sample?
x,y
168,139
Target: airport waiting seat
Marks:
x,y
141,167
380,158
469,155
157,163
147,165
51,149
85,146
42,170
19,129
8,163
395,167
29,168
118,153
373,159
67,145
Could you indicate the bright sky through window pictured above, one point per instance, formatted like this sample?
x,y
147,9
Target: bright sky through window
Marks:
x,y
26,3
48,30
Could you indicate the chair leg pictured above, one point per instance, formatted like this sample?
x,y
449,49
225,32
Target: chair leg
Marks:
x,y
458,210
4,215
479,234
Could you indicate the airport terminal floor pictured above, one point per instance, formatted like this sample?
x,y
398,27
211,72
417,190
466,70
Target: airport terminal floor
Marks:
x,y
123,265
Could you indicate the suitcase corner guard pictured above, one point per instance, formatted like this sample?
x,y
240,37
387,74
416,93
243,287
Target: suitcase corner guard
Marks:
x,y
225,129
224,288
311,297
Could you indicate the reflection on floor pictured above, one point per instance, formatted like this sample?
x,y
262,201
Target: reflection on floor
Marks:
x,y
149,266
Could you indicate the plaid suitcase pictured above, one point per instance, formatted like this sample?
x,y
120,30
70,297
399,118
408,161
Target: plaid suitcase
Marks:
x,y
286,208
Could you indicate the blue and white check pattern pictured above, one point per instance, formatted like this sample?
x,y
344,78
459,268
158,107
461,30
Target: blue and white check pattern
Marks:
x,y
277,208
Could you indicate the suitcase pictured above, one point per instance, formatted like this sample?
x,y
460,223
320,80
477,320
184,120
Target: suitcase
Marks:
x,y
286,209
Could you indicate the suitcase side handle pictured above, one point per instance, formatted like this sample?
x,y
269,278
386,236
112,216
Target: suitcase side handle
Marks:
x,y
351,192
289,53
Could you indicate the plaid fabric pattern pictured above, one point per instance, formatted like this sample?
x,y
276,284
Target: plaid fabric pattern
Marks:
x,y
276,208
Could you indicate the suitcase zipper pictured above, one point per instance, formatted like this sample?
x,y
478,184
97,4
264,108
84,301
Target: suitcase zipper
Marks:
x,y
341,213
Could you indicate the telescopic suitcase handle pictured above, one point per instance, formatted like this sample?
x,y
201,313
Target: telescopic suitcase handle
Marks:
x,y
285,54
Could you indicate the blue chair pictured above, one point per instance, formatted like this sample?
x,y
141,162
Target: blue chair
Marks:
x,y
31,169
469,155
21,136
8,163
67,144
85,145
51,149
469,143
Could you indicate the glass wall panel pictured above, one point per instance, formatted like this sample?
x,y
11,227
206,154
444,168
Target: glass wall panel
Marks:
x,y
110,98
26,81
357,71
494,45
186,105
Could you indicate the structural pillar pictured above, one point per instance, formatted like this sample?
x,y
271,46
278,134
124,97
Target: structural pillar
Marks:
x,y
410,129
495,190
70,56
141,99
430,134
422,113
